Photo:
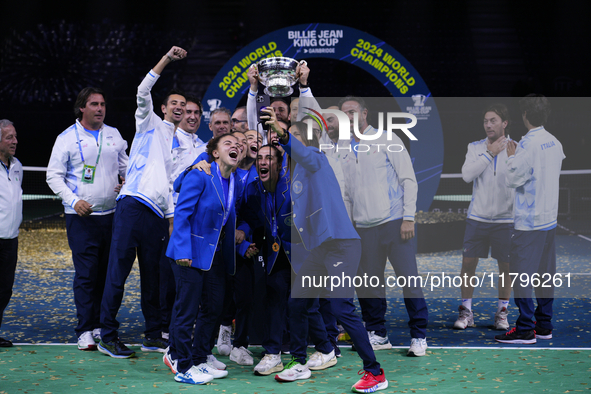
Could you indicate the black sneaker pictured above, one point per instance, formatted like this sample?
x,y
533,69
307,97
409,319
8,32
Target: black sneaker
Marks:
x,y
543,333
116,349
514,336
154,345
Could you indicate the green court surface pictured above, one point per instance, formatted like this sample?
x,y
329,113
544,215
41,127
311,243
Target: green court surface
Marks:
x,y
65,369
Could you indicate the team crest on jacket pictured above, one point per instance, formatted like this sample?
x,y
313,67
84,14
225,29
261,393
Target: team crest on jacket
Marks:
x,y
297,187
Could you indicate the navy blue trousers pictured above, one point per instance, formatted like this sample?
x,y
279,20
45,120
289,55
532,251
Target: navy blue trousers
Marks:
x,y
276,296
378,244
167,288
8,258
212,304
336,258
533,252
90,241
240,300
189,290
136,228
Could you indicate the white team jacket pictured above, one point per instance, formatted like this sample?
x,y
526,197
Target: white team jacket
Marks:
x,y
11,199
186,147
380,184
492,200
64,171
534,172
150,164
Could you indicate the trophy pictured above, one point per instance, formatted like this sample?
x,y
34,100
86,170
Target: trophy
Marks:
x,y
278,74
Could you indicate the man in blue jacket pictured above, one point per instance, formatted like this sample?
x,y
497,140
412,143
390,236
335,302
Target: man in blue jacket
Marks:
x,y
322,224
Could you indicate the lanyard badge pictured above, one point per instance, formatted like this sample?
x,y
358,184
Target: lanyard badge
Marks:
x,y
88,171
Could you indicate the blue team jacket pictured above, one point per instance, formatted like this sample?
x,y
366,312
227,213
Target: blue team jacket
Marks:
x,y
198,220
319,213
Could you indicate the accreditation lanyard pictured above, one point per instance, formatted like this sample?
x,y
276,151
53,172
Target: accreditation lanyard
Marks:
x,y
88,171
270,200
228,199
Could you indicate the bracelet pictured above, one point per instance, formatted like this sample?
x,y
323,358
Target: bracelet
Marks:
x,y
490,153
169,56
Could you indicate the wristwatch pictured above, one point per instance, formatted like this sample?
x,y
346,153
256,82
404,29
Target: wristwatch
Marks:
x,y
490,153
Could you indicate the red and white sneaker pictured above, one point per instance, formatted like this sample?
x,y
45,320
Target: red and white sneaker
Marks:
x,y
86,341
170,363
370,383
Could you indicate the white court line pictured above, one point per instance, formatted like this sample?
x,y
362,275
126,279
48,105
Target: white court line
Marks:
x,y
349,346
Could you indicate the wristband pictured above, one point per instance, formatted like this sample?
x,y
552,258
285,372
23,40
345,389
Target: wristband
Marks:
x,y
304,86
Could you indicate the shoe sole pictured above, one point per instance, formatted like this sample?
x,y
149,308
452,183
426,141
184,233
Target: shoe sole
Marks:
x,y
379,386
517,341
502,328
87,348
181,380
538,336
108,353
277,368
301,377
386,346
460,326
413,354
328,364
154,349
172,369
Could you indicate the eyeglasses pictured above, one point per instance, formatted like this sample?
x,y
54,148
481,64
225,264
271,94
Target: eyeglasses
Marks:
x,y
234,121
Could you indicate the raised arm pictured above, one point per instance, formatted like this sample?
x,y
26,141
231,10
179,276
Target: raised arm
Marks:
x,y
145,106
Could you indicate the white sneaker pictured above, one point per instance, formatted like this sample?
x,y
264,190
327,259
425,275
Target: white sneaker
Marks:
x,y
465,319
377,342
209,370
241,356
319,361
96,334
193,376
418,347
214,362
269,364
293,371
86,341
224,342
170,363
501,322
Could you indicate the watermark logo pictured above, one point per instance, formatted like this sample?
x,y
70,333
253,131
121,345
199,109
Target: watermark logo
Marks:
x,y
344,129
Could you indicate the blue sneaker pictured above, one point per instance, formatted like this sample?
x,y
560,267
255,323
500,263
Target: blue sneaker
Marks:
x,y
115,349
154,345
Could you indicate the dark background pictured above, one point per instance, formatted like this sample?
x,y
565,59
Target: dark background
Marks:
x,y
51,50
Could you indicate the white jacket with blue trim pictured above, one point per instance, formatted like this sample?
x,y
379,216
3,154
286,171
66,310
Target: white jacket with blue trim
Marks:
x,y
150,164
534,172
492,200
64,171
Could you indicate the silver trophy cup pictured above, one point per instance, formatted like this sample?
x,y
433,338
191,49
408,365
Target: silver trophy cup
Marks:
x,y
278,74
